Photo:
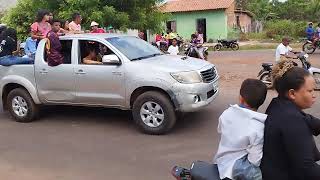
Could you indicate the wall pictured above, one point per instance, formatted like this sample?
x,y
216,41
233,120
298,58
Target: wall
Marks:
x,y
231,16
245,23
216,23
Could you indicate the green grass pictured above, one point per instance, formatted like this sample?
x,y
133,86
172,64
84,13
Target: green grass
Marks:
x,y
296,46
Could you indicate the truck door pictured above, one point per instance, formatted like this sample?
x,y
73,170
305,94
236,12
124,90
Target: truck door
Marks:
x,y
55,84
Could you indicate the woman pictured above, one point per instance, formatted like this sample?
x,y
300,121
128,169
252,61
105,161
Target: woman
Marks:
x,y
92,57
289,151
8,48
65,28
42,26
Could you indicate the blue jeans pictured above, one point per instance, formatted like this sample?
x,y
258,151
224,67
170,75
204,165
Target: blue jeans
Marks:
x,y
244,170
12,60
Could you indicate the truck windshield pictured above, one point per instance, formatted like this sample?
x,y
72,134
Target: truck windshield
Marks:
x,y
134,48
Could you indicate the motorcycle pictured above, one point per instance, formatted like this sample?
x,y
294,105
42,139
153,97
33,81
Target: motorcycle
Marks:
x,y
199,171
191,52
309,47
162,46
222,43
265,74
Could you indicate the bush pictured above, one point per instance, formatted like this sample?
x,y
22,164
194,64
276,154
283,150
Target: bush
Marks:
x,y
234,33
210,40
279,28
257,36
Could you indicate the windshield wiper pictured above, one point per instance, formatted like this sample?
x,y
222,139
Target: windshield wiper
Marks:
x,y
146,57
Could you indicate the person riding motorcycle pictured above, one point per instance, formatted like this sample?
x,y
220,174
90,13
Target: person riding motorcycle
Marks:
x,y
283,50
197,43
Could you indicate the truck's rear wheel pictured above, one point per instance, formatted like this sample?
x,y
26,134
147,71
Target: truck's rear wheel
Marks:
x,y
154,113
21,106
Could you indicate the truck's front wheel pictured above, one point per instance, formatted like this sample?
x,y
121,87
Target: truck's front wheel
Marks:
x,y
21,106
154,113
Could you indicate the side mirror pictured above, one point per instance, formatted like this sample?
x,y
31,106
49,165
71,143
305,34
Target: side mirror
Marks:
x,y
111,59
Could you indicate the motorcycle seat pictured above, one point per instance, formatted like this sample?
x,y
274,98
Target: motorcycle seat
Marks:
x,y
267,64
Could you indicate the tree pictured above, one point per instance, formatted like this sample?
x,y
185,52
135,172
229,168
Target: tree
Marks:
x,y
121,14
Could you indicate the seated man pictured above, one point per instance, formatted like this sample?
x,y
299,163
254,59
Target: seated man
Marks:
x,y
92,58
8,49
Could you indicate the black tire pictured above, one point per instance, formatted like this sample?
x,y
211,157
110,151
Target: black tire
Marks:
x,y
167,110
266,77
32,109
308,48
217,47
234,46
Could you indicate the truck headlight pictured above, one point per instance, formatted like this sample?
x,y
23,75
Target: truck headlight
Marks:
x,y
187,77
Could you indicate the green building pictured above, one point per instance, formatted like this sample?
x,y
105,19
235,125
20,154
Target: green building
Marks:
x,y
212,18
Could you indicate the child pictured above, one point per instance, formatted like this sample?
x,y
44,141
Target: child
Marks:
x,y
174,48
30,47
54,47
242,128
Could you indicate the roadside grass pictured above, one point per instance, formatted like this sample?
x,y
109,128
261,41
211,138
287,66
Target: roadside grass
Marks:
x,y
295,46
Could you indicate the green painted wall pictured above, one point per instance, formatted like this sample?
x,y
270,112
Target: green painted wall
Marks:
x,y
187,22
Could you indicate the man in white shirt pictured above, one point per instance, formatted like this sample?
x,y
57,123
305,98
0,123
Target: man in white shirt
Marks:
x,y
242,129
283,49
174,48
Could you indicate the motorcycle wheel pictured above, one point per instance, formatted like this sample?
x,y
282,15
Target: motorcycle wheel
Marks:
x,y
234,46
316,77
266,79
308,48
217,47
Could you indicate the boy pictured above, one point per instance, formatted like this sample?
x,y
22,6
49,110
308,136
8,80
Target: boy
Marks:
x,y
54,47
174,49
30,47
242,128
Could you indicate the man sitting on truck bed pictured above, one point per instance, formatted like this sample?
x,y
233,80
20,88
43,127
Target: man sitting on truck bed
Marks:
x,y
54,47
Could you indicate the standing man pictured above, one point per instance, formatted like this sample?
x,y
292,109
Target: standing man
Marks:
x,y
53,46
283,49
75,25
310,31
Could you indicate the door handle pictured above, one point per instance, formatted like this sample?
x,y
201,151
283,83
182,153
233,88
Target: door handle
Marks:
x,y
43,71
80,71
117,73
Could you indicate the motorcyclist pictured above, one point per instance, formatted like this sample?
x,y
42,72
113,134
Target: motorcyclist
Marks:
x,y
283,50
310,31
197,43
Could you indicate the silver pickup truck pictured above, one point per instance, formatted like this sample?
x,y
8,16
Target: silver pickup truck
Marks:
x,y
134,76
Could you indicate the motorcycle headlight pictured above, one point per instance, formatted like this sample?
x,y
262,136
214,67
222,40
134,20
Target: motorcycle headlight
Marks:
x,y
189,77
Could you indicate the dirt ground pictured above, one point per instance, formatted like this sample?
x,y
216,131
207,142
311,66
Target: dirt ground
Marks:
x,y
71,143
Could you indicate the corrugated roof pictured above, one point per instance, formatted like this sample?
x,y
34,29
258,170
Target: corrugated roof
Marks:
x,y
195,5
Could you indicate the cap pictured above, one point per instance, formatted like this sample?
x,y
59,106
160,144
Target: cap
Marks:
x,y
93,23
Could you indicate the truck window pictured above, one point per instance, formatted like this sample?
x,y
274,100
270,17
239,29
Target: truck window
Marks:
x,y
66,51
98,49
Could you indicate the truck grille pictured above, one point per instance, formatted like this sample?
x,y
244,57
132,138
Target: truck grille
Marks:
x,y
208,75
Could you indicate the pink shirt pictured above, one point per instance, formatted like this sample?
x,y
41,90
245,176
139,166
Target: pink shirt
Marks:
x,y
40,28
74,27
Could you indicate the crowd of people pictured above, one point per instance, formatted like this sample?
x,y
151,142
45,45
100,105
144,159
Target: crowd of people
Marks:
x,y
173,42
44,27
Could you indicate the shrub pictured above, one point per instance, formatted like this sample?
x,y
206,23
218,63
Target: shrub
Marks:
x,y
233,33
281,28
210,40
